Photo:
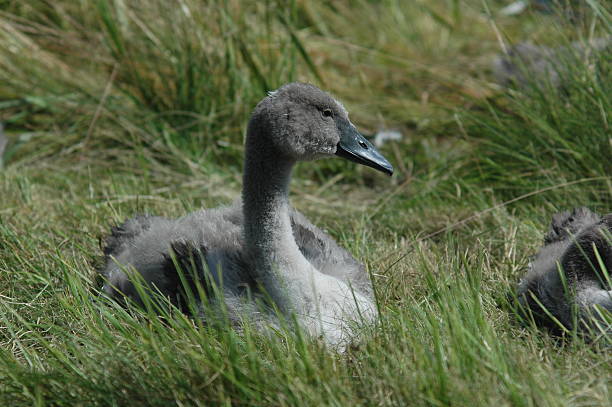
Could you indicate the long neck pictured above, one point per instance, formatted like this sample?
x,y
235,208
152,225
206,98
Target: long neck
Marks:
x,y
267,225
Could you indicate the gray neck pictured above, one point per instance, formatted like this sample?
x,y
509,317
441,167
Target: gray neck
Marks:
x,y
267,225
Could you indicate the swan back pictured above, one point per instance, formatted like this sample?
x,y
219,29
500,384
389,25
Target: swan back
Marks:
x,y
569,272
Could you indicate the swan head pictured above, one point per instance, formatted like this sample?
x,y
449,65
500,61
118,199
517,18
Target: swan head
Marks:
x,y
300,122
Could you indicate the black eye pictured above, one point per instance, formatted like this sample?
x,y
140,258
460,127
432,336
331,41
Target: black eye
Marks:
x,y
327,113
363,145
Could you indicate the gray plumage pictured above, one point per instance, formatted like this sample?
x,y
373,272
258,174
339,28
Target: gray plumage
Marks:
x,y
526,63
260,247
566,280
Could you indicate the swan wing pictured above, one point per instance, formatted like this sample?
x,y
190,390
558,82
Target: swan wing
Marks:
x,y
327,256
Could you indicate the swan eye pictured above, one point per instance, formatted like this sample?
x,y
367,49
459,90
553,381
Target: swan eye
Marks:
x,y
327,113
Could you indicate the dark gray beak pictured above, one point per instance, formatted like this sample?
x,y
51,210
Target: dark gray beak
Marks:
x,y
353,146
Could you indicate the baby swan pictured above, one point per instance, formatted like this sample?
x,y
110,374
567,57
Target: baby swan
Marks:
x,y
261,250
568,282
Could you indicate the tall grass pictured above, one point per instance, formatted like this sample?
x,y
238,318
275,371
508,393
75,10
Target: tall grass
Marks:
x,y
550,131
188,71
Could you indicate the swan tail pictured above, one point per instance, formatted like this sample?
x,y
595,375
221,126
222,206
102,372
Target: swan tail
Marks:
x,y
113,244
184,270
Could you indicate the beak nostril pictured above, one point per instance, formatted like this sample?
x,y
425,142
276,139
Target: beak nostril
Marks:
x,y
355,147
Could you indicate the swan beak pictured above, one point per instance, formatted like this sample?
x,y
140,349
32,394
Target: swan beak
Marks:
x,y
353,146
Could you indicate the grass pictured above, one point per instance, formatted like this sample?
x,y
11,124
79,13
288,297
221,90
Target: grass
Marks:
x,y
119,107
